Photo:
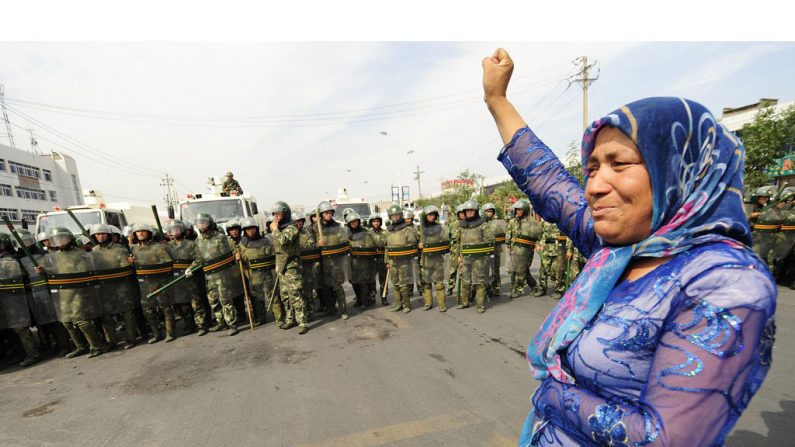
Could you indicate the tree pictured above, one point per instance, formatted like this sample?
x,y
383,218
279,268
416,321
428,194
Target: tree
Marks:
x,y
768,137
573,161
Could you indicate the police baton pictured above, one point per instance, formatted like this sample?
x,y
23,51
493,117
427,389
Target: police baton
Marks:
x,y
190,269
21,244
77,221
245,295
157,220
385,286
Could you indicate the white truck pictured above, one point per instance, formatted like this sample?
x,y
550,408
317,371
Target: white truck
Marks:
x,y
360,205
220,206
95,210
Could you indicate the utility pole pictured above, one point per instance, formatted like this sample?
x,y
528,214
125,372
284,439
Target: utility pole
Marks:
x,y
5,115
585,81
34,144
417,174
170,199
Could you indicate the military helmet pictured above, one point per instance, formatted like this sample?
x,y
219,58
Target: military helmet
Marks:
x,y
470,205
232,223
249,222
346,211
229,174
204,218
430,209
408,213
42,236
787,193
177,226
115,230
324,206
489,206
144,227
60,236
26,236
297,215
394,209
353,215
99,228
126,231
521,205
5,238
284,208
459,208
766,191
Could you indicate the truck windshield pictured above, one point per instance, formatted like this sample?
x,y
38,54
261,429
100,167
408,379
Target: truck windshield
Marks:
x,y
362,209
220,210
61,219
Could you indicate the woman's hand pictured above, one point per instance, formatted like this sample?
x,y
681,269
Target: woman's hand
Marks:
x,y
497,71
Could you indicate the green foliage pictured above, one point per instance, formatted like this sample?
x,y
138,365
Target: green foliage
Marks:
x,y
573,161
766,138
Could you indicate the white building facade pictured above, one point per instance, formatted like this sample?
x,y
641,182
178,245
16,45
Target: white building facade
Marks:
x,y
34,183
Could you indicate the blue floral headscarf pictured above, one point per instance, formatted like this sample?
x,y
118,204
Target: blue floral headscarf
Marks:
x,y
696,170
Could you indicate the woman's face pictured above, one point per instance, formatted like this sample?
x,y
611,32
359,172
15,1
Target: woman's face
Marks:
x,y
618,189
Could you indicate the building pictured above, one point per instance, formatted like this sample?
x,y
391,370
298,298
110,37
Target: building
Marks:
x,y
33,183
735,118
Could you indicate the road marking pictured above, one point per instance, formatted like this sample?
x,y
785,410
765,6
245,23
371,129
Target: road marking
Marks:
x,y
500,440
399,432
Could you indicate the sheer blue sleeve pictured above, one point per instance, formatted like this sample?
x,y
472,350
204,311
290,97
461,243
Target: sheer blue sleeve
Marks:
x,y
712,357
556,195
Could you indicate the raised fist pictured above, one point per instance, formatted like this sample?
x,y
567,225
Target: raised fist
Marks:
x,y
497,70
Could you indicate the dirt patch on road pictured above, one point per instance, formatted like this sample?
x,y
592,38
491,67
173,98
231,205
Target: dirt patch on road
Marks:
x,y
41,410
158,375
364,332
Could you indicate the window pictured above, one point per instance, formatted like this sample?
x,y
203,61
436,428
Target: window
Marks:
x,y
9,212
2,165
53,197
30,215
47,175
5,190
30,193
24,170
113,219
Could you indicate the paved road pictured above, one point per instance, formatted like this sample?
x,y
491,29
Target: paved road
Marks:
x,y
379,378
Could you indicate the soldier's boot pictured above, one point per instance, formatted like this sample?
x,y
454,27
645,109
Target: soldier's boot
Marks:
x,y
427,297
81,348
278,311
188,318
398,300
341,304
170,323
93,338
465,290
29,345
406,300
480,297
61,337
109,329
440,298
130,329
154,325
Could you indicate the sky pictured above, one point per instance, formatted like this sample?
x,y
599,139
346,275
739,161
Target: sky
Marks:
x,y
295,121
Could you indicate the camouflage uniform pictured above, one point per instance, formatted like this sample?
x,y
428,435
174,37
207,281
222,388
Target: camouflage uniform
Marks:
x,y
287,247
183,252
435,238
401,249
70,274
362,265
765,231
334,256
116,289
14,313
521,237
216,251
259,259
379,237
455,237
154,268
576,263
498,227
553,260
230,185
41,304
475,248
310,268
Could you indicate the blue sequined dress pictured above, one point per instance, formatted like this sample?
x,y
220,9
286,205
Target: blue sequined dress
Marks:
x,y
674,357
